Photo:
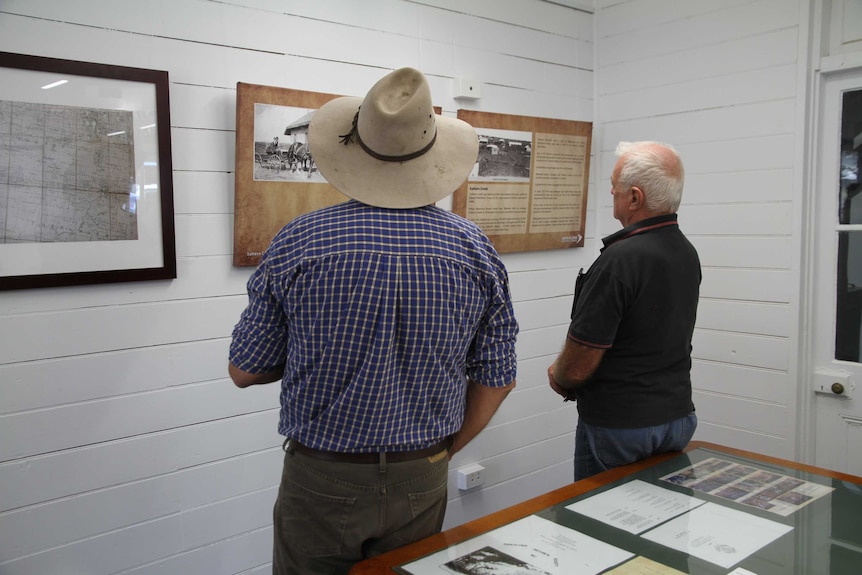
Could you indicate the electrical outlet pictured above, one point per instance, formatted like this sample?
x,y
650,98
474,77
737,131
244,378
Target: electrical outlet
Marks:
x,y
471,476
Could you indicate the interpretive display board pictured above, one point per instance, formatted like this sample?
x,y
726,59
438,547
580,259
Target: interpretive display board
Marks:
x,y
528,189
276,179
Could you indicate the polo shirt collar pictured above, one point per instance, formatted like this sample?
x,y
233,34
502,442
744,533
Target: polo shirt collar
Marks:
x,y
639,228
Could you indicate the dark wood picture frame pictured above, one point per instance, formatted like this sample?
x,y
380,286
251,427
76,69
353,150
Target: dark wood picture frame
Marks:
x,y
141,98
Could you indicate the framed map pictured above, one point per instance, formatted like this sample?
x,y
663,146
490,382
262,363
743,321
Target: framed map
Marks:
x,y
86,192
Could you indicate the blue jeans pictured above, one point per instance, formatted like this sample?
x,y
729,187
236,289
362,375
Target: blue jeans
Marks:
x,y
598,449
329,515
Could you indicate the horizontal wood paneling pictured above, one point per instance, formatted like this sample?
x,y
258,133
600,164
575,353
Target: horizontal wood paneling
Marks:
x,y
619,18
745,317
766,385
742,349
736,122
677,28
91,422
227,518
205,489
206,64
108,553
204,235
527,403
774,219
772,286
525,263
69,472
160,541
232,555
203,150
744,413
541,342
774,48
538,313
542,283
112,328
767,444
739,187
203,107
203,193
531,14
197,277
533,372
769,152
763,253
739,88
34,385
727,220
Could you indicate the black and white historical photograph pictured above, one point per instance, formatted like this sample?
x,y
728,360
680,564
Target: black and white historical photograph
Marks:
x,y
281,145
491,561
504,155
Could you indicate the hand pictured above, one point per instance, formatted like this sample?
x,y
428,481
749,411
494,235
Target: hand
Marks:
x,y
553,382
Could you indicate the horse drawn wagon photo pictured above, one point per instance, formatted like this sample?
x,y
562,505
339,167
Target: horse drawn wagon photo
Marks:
x,y
286,157
294,158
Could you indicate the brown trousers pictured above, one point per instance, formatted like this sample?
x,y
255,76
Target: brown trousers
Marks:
x,y
330,515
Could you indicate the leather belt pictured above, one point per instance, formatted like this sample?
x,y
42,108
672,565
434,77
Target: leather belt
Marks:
x,y
391,456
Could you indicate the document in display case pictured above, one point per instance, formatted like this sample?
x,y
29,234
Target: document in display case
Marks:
x,y
711,510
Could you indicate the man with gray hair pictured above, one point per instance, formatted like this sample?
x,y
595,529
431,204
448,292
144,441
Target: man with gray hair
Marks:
x,y
627,356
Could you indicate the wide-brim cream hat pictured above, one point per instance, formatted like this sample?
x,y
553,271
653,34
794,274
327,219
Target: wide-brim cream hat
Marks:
x,y
390,149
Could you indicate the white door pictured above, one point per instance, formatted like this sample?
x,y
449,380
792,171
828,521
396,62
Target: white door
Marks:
x,y
836,324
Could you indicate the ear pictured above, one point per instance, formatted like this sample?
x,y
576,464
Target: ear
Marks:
x,y
638,199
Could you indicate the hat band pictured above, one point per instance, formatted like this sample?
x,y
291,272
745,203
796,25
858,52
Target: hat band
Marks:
x,y
403,158
353,134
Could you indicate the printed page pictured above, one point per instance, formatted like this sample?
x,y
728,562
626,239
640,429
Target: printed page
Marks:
x,y
529,546
717,534
635,506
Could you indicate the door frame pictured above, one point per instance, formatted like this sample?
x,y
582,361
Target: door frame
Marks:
x,y
822,79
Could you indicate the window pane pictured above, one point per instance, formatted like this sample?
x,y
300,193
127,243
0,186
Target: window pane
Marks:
x,y
849,309
850,203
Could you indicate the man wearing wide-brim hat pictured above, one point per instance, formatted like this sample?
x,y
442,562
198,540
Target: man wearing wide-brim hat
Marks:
x,y
389,323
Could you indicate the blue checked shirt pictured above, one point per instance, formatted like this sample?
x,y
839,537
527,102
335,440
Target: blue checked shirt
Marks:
x,y
378,316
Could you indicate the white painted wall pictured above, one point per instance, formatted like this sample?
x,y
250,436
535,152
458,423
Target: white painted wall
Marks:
x,y
720,81
124,447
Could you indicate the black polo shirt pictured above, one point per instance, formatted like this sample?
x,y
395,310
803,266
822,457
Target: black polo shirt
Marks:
x,y
638,301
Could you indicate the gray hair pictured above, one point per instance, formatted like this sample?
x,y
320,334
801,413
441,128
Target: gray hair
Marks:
x,y
656,169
